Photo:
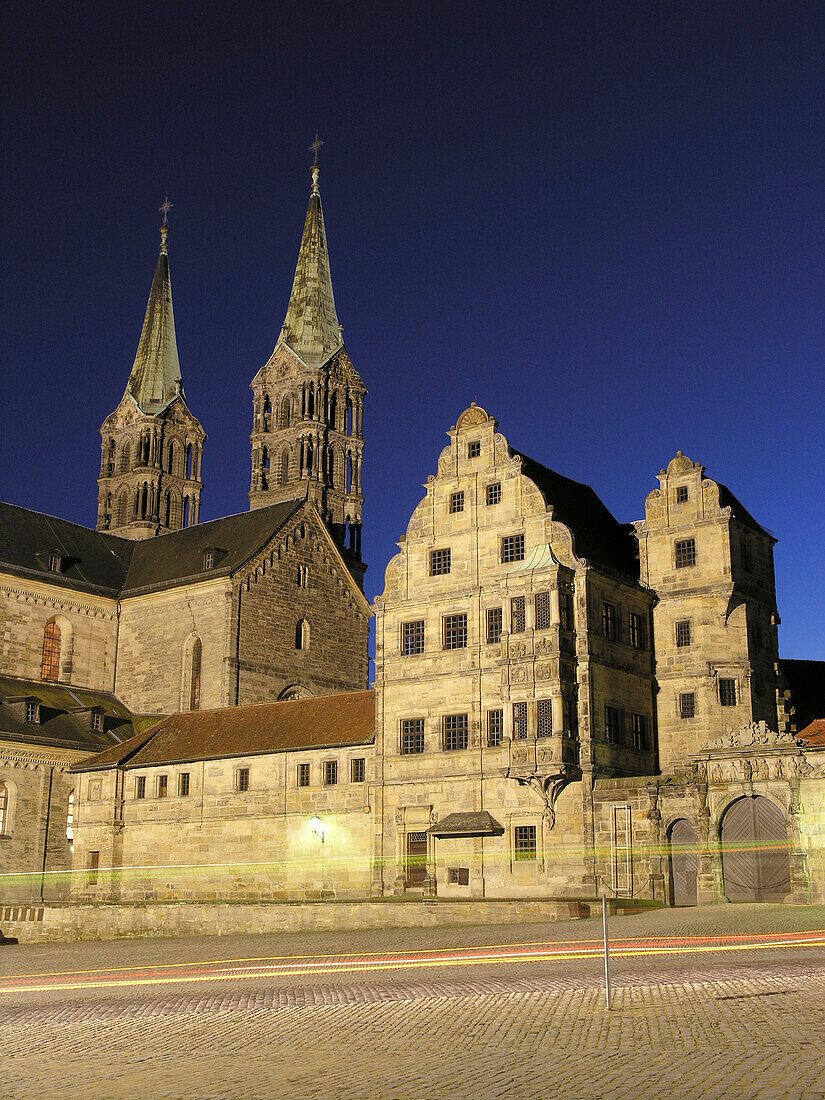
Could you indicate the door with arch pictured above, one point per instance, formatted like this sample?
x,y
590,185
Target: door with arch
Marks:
x,y
684,863
755,861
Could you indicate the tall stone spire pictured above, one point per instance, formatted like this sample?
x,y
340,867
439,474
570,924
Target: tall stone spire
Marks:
x,y
311,325
307,440
155,379
152,445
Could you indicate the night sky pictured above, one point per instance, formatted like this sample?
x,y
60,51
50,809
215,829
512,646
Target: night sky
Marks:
x,y
602,221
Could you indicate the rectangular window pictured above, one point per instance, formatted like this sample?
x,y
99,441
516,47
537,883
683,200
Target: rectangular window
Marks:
x,y
613,725
681,494
458,876
495,727
638,631
456,503
439,562
512,548
303,775
455,631
687,705
494,493
566,610
494,625
542,610
183,784
610,622
518,619
544,727
473,449
140,786
32,710
358,770
685,553
640,738
519,721
745,553
727,693
97,720
455,732
683,634
524,842
412,638
330,773
571,718
163,786
242,779
412,736
94,864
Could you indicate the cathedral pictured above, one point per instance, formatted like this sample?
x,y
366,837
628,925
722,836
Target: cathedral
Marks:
x,y
564,705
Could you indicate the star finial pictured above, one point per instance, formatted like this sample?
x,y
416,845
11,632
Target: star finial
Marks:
x,y
164,208
316,145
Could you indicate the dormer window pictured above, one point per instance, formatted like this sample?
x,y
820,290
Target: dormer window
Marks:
x,y
55,562
209,559
32,710
97,720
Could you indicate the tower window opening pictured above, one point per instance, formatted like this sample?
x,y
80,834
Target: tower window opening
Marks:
x,y
267,415
302,634
50,664
195,660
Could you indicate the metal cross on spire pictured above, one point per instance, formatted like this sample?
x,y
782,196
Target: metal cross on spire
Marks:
x,y
164,208
316,145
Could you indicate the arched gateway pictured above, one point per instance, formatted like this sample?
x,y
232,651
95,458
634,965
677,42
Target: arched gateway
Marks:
x,y
755,860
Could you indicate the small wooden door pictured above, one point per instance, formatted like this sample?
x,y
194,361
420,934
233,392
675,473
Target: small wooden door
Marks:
x,y
755,861
416,859
684,863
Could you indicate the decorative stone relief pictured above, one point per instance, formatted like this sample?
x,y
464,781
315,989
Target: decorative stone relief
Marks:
x,y
753,733
544,672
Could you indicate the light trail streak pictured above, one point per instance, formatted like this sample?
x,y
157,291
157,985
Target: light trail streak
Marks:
x,y
320,965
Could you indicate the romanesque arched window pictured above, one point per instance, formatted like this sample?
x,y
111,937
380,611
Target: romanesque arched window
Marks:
x,y
50,664
190,462
125,457
192,661
265,465
267,414
302,634
333,410
5,800
123,508
285,467
286,408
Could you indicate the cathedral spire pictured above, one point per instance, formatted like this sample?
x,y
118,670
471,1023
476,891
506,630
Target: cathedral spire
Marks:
x,y
311,327
155,379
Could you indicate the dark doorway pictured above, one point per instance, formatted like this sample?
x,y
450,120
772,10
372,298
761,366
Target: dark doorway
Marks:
x,y
416,859
684,863
755,861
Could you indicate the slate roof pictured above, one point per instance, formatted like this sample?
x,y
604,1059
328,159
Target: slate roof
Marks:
x,y
597,534
473,823
328,721
728,500
805,680
108,565
64,716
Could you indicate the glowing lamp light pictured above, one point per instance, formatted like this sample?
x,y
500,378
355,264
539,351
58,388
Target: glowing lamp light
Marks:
x,y
317,826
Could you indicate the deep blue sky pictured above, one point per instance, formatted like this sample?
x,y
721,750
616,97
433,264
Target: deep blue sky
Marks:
x,y
602,221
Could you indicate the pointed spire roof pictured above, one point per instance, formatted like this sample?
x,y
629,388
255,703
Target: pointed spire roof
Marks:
x,y
311,325
155,379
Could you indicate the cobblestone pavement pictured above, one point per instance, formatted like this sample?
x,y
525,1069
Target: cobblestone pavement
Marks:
x,y
744,1025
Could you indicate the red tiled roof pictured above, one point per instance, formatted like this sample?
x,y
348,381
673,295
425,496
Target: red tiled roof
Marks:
x,y
814,734
328,721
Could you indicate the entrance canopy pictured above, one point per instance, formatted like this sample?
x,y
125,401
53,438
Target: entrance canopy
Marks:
x,y
477,823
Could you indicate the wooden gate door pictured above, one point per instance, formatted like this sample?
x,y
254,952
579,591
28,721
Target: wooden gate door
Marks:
x,y
416,859
684,863
755,861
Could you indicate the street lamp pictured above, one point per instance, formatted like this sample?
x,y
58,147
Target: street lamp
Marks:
x,y
317,826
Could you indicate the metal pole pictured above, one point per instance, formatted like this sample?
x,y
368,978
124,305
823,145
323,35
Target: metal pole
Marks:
x,y
607,993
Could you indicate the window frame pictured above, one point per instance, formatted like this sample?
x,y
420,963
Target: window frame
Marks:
x,y
495,727
613,724
456,504
637,629
518,614
358,769
520,712
140,787
162,785
687,710
683,634
511,548
330,773
474,448
412,733
454,631
412,640
440,562
494,624
610,621
492,494
544,718
184,784
639,732
303,777
525,844
543,610
242,780
455,728
684,551
728,691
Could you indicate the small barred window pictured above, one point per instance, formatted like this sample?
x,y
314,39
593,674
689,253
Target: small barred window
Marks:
x,y
687,705
543,620
685,553
512,548
545,718
494,493
439,562
519,721
524,842
518,620
456,503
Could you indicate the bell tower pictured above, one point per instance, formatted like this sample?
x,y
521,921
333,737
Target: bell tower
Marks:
x,y
307,439
152,445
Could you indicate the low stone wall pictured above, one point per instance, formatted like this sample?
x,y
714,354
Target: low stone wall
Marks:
x,y
66,923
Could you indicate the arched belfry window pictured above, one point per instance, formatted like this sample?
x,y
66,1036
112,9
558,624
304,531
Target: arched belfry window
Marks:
x,y
5,801
286,407
50,664
302,634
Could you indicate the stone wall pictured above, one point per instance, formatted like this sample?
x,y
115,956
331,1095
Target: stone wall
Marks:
x,y
88,626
